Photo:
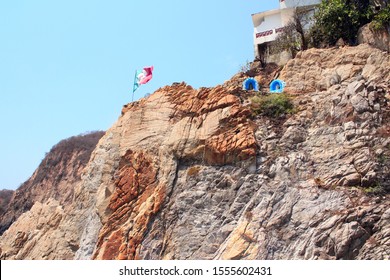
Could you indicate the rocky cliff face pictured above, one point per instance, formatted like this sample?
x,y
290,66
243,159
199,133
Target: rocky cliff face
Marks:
x,y
5,198
193,174
54,179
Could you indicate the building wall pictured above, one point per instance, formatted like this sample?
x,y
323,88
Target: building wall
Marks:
x,y
271,26
279,59
272,23
265,32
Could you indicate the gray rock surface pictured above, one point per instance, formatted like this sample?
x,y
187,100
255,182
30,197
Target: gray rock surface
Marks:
x,y
189,174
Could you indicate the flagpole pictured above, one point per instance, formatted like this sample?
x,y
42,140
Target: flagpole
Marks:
x,y
134,89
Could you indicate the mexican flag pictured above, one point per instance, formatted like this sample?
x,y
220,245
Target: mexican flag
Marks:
x,y
142,77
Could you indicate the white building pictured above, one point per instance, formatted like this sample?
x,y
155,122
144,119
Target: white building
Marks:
x,y
268,24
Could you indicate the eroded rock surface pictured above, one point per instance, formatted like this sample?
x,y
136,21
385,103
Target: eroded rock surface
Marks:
x,y
193,174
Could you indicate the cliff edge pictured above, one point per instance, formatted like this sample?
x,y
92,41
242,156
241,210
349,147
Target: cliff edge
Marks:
x,y
193,174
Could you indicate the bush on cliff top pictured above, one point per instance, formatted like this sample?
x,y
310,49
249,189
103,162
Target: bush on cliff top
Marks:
x,y
382,19
273,105
337,19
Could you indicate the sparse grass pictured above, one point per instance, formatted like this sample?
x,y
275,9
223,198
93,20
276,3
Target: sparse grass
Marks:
x,y
245,67
248,69
272,105
376,189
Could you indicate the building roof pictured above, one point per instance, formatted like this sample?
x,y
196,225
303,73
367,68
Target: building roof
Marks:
x,y
258,18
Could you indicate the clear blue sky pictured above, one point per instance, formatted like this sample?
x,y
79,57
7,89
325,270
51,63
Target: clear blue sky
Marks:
x,y
67,66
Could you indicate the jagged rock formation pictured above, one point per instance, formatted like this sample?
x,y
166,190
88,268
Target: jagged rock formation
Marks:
x,y
192,174
52,183
377,38
5,198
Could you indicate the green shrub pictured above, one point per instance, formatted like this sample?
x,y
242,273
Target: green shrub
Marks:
x,y
382,19
273,105
377,189
337,19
